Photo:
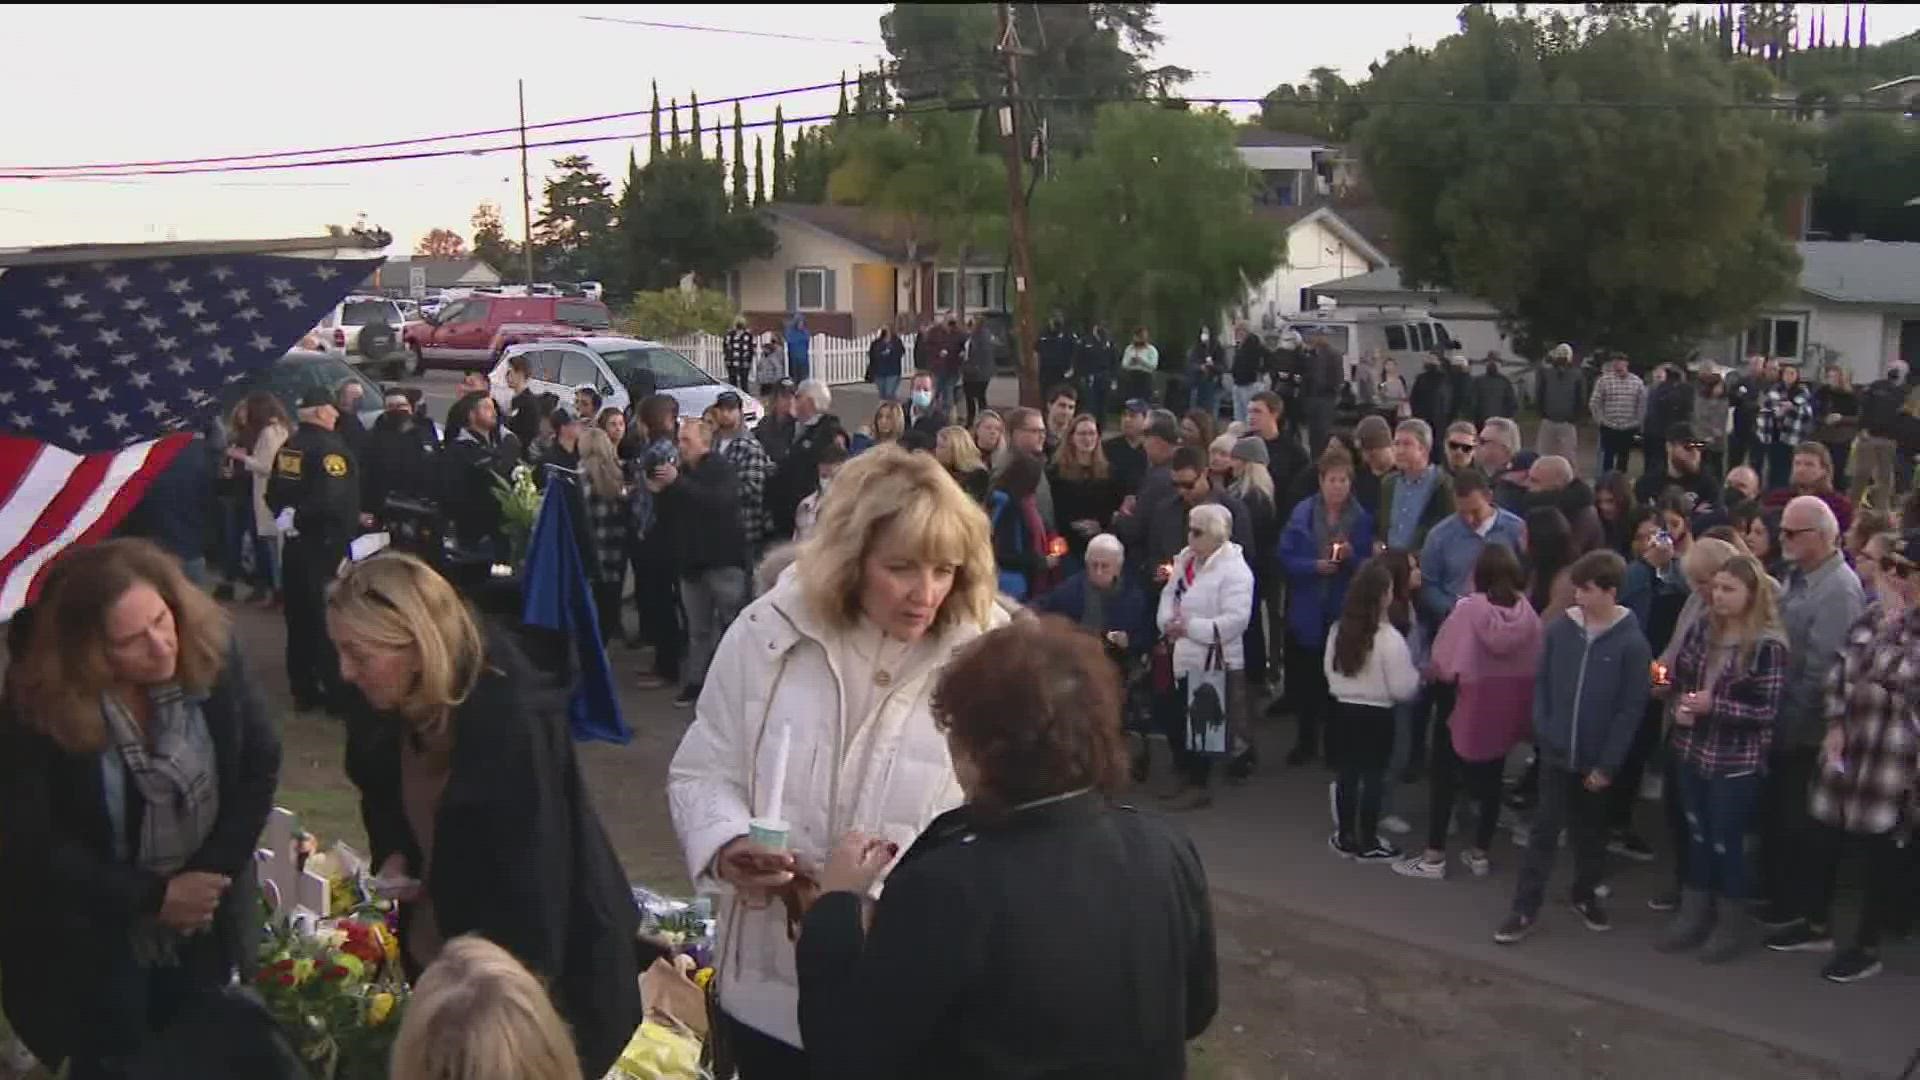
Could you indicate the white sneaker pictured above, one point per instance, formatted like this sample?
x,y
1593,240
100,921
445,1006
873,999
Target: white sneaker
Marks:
x,y
1419,867
1395,824
1477,864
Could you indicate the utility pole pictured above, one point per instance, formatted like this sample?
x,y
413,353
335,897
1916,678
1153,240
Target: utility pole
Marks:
x,y
526,191
1023,352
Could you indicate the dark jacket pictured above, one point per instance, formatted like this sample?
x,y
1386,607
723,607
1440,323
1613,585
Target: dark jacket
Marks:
x,y
1325,373
776,436
1589,695
978,483
1082,500
316,474
1668,403
1056,350
1127,612
1249,360
883,358
977,966
66,903
1128,463
1559,392
175,512
1493,395
798,473
1097,356
519,856
396,461
701,509
1432,399
469,474
1703,492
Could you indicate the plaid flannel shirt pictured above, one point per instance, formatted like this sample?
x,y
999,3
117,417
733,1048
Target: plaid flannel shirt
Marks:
x,y
611,520
1784,420
1872,696
751,467
1618,401
1737,734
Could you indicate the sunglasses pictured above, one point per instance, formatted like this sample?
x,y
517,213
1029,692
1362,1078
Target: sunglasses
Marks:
x,y
1461,448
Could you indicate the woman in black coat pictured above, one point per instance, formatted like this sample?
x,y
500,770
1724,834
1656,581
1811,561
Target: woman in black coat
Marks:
x,y
473,801
1086,494
137,768
1039,930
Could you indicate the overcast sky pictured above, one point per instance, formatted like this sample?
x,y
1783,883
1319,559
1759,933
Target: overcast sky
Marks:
x,y
165,82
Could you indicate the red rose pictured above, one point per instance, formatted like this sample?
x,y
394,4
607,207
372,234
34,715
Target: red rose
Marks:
x,y
285,978
334,973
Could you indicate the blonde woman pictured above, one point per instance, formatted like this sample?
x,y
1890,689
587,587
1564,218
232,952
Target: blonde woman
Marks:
x,y
954,448
990,437
479,1015
889,422
1727,680
610,519
137,768
470,793
830,677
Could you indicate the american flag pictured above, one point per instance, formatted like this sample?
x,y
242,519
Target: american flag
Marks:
x,y
112,359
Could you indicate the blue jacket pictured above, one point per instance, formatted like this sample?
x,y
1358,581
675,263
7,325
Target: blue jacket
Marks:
x,y
1447,558
1589,695
1127,612
1313,600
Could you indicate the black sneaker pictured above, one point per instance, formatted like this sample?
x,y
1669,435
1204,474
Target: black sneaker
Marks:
x,y
1342,847
1593,915
1380,851
1664,901
1851,966
1800,937
1628,845
686,698
1516,927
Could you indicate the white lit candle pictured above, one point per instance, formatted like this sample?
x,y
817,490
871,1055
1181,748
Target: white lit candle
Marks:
x,y
777,795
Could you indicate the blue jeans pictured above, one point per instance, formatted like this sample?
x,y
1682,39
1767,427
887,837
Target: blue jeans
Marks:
x,y
1206,394
1093,395
1719,810
946,392
887,386
266,563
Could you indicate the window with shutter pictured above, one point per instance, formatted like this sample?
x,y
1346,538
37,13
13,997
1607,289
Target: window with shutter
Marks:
x,y
812,288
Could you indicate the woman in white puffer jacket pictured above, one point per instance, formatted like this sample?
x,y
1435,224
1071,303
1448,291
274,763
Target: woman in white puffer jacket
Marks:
x,y
1207,601
841,655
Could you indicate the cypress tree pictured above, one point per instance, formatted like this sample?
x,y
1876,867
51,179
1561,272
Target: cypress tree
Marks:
x,y
693,125
759,174
739,161
653,128
779,155
674,109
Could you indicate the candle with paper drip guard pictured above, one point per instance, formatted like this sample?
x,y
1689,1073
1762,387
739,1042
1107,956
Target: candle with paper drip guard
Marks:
x,y
769,830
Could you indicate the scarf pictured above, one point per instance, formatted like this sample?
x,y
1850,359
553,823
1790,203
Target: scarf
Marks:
x,y
1093,613
180,788
1036,529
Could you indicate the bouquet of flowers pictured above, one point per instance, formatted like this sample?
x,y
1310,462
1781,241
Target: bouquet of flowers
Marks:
x,y
519,499
338,992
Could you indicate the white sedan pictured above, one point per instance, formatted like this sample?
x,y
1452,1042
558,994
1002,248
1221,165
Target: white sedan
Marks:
x,y
623,370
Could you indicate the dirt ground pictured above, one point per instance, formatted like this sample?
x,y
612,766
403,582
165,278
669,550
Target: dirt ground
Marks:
x,y
1300,997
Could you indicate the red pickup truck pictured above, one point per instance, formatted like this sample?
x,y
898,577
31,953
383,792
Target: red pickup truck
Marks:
x,y
461,334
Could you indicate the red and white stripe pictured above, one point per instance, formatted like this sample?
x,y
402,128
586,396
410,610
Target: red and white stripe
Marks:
x,y
51,499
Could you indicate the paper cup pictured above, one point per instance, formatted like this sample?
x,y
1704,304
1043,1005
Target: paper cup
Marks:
x,y
769,833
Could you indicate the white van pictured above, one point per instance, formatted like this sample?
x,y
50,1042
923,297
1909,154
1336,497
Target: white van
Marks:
x,y
1406,336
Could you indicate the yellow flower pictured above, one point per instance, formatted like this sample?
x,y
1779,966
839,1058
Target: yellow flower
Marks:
x,y
379,1007
702,977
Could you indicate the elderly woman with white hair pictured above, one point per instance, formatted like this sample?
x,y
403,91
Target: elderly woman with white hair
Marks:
x,y
1204,610
1104,600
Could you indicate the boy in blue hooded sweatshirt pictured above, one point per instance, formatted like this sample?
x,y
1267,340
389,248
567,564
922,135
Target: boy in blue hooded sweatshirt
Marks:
x,y
1592,686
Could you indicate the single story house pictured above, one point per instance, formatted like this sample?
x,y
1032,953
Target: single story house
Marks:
x,y
1857,302
851,270
394,276
1319,245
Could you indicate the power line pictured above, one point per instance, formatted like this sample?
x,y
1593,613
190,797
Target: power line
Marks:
x,y
727,30
422,155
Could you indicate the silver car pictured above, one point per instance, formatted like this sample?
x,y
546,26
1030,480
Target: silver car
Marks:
x,y
622,369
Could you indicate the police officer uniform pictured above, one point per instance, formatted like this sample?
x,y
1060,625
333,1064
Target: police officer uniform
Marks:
x,y
317,477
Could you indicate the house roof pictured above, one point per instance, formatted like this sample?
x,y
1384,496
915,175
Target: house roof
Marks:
x,y
1368,226
880,232
1861,271
441,273
1385,279
1259,136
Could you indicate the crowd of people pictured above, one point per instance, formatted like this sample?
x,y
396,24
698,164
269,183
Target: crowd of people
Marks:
x,y
934,650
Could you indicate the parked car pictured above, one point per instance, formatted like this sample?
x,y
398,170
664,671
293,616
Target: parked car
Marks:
x,y
511,334
461,334
623,370
301,370
366,331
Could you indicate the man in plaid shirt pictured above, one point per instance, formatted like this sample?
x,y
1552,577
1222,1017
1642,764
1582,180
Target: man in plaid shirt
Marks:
x,y
1619,403
751,466
737,351
1864,793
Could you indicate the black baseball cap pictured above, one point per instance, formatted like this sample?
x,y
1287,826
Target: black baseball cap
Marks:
x,y
727,400
315,396
1139,406
560,418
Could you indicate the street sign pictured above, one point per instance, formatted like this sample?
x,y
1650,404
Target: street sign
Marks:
x,y
417,282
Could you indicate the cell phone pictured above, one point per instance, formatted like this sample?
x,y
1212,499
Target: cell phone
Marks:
x,y
1663,537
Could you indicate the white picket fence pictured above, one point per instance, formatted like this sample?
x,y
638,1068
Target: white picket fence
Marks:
x,y
833,360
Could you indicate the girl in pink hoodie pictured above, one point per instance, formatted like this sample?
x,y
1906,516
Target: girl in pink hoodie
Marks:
x,y
1490,646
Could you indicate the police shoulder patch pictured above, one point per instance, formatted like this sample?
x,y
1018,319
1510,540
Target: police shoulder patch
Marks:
x,y
287,462
335,465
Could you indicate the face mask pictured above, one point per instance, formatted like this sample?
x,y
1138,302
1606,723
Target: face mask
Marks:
x,y
922,398
825,483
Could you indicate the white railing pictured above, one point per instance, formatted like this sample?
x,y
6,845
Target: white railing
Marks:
x,y
833,360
